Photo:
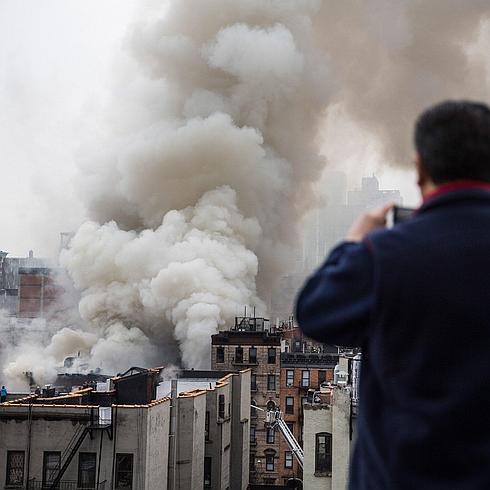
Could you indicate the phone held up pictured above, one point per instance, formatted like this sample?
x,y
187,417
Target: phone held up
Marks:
x,y
399,214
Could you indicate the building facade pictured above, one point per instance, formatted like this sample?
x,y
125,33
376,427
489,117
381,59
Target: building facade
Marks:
x,y
10,281
90,439
38,292
329,427
305,366
328,438
250,343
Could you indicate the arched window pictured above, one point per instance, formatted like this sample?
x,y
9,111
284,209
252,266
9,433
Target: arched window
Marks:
x,y
323,453
271,405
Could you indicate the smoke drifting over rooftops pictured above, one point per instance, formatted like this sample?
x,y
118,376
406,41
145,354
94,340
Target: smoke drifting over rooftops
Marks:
x,y
197,195
195,203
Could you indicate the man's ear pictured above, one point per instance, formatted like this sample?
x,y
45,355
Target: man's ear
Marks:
x,y
422,175
424,180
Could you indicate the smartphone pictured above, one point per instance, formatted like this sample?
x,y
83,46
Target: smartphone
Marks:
x,y
401,214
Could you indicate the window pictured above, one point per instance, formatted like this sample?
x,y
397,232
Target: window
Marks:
x,y
297,347
207,472
220,355
124,471
323,453
221,406
290,427
239,355
51,465
271,382
288,459
305,378
86,470
270,435
290,405
206,427
252,355
15,468
253,410
271,355
253,382
252,462
322,377
290,377
252,433
270,405
269,461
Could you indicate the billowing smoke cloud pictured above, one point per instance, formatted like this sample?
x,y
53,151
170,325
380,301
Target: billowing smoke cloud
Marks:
x,y
193,271
195,195
198,201
393,58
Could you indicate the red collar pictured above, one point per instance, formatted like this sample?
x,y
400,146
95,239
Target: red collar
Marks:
x,y
456,185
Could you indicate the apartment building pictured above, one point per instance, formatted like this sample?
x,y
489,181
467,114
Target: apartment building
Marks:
x,y
252,343
329,427
126,435
38,292
10,281
305,366
328,435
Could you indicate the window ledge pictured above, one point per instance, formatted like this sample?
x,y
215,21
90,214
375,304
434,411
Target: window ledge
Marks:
x,y
323,474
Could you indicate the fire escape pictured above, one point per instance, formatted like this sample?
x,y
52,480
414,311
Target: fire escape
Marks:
x,y
101,424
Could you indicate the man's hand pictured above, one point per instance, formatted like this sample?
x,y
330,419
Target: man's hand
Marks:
x,y
367,222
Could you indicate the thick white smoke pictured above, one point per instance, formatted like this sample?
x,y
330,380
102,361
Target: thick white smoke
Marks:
x,y
194,272
196,192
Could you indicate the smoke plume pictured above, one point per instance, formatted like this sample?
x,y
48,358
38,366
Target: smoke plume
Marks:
x,y
195,195
392,59
198,193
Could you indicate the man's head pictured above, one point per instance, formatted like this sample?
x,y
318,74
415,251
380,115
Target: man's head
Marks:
x,y
452,140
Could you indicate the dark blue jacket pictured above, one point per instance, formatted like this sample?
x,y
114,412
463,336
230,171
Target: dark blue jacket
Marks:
x,y
416,298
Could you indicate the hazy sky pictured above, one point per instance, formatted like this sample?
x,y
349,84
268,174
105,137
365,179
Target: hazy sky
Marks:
x,y
55,61
55,73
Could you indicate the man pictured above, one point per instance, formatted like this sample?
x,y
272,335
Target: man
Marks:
x,y
416,298
3,394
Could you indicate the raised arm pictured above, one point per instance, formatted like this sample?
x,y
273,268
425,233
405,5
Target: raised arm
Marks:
x,y
335,304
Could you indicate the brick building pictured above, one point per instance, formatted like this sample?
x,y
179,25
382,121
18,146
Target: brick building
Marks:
x,y
305,365
9,279
252,343
38,292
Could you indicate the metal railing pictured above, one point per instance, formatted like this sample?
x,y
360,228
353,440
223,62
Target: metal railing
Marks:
x,y
63,485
